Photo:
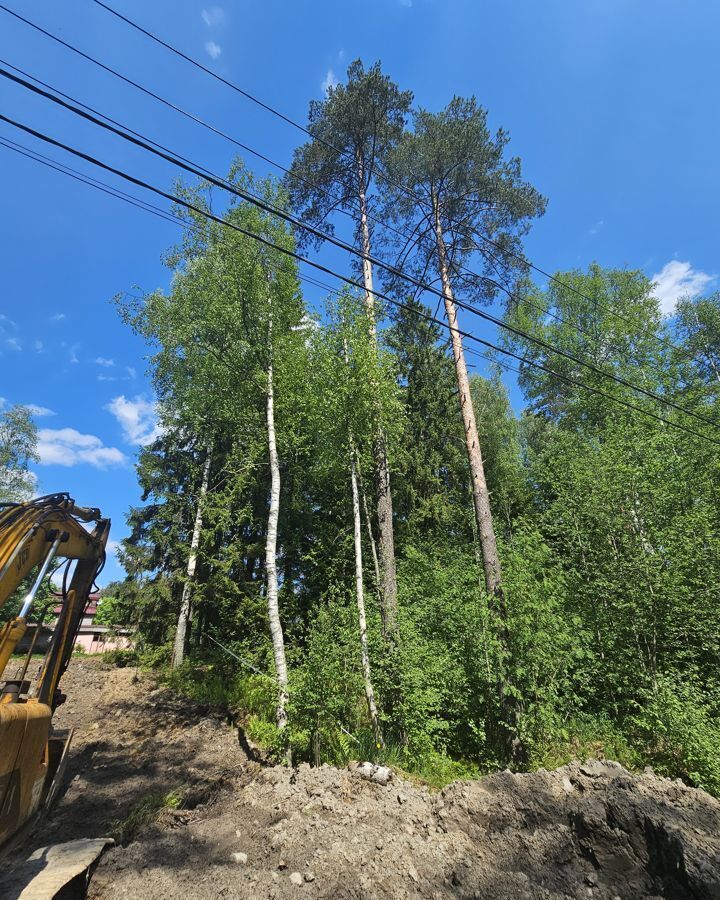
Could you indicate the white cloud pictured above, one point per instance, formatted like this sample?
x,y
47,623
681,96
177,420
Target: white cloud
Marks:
x,y
678,279
8,321
73,353
68,447
137,418
14,343
39,410
596,227
213,15
104,361
131,371
38,346
112,547
213,50
330,81
407,3
58,317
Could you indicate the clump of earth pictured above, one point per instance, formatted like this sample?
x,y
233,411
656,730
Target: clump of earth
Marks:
x,y
227,825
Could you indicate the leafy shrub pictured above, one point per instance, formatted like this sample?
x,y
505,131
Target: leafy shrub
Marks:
x,y
120,658
679,733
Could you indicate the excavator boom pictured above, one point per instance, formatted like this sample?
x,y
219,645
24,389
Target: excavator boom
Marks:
x,y
32,536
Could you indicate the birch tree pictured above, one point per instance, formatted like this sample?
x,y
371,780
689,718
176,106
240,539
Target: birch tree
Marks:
x,y
344,416
181,632
222,338
352,131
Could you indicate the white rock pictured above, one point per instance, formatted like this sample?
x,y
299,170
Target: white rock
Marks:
x,y
378,774
296,878
240,858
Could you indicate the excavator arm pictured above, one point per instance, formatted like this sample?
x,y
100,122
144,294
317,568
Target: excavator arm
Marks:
x,y
32,536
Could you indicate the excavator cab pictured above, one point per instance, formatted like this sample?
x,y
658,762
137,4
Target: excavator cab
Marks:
x,y
33,536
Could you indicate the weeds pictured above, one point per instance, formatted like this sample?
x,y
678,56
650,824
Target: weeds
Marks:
x,y
143,813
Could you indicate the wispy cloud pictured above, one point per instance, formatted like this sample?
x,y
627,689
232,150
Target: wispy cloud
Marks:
x,y
597,227
678,279
407,3
14,343
58,317
38,345
6,320
39,410
330,81
104,361
112,547
69,447
137,418
213,50
213,15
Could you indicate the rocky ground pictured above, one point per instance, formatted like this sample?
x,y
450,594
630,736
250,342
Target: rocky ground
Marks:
x,y
237,828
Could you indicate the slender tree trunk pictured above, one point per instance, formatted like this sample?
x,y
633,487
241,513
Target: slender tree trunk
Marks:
x,y
360,597
481,495
481,499
276,632
383,494
184,617
368,523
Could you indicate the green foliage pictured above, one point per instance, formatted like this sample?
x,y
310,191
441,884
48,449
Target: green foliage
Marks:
x,y
362,119
679,734
120,658
607,521
18,443
145,811
583,738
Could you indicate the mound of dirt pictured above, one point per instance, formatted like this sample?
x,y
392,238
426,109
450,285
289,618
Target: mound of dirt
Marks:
x,y
239,829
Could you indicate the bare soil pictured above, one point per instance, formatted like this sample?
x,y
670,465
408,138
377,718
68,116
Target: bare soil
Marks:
x,y
244,829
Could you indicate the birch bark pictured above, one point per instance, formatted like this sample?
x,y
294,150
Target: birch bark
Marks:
x,y
276,632
185,603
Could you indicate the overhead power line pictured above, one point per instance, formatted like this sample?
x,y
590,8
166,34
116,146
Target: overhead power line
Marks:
x,y
520,257
347,280
142,205
185,164
337,201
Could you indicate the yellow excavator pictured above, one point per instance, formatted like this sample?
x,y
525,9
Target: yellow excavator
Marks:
x,y
32,536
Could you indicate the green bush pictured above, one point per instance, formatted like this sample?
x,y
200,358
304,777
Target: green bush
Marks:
x,y
120,658
679,733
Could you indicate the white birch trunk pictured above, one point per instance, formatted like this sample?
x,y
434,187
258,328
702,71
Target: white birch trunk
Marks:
x,y
276,632
360,597
184,616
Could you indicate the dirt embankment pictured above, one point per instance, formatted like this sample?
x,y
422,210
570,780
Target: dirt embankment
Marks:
x,y
238,829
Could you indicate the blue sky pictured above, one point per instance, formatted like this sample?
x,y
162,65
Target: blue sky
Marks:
x,y
612,106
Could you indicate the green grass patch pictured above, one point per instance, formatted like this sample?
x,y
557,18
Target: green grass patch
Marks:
x,y
143,813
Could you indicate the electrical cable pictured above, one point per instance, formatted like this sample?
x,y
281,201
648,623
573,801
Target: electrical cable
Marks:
x,y
289,172
418,200
201,172
351,282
